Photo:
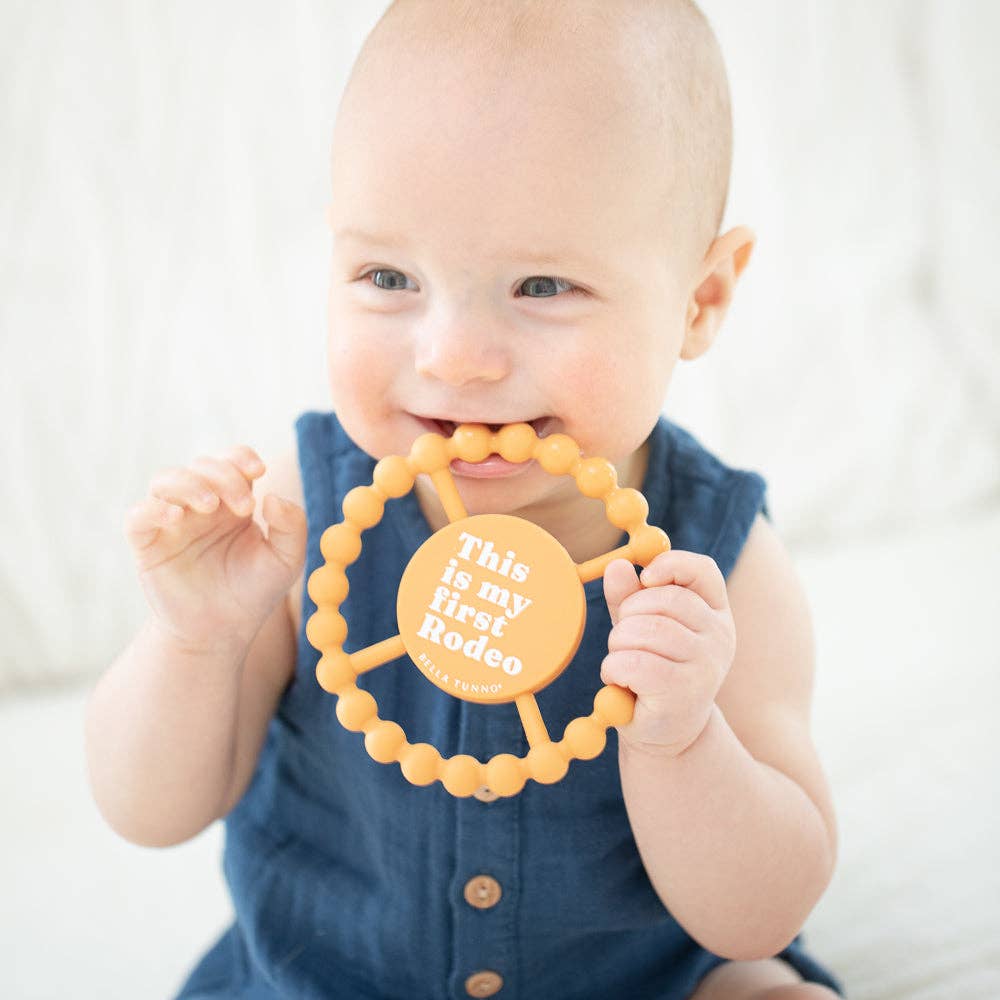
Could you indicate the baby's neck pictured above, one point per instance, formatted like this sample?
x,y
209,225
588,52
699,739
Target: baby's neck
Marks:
x,y
582,525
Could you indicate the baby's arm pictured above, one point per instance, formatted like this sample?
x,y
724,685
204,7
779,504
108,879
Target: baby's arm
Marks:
x,y
175,725
734,823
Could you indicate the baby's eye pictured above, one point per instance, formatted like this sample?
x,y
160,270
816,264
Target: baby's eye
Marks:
x,y
546,286
386,279
538,286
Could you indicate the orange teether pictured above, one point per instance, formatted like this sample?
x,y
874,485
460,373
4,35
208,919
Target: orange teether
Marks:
x,y
490,608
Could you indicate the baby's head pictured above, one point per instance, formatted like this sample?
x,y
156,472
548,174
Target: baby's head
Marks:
x,y
526,203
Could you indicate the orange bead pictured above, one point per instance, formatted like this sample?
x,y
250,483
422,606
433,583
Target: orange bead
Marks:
x,y
546,764
461,775
354,708
419,763
334,670
327,584
557,454
384,740
340,543
595,477
326,628
585,737
429,453
364,506
626,507
505,774
392,476
472,442
614,705
647,543
516,442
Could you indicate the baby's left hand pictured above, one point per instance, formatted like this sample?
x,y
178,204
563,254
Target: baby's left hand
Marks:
x,y
672,643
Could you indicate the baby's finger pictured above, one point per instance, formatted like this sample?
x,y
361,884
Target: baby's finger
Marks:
x,y
228,481
640,671
677,602
246,460
689,569
619,583
657,634
286,529
143,521
184,486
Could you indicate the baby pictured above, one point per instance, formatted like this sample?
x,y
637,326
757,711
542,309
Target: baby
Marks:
x,y
527,197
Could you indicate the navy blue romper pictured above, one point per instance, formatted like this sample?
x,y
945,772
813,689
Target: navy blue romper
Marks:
x,y
348,882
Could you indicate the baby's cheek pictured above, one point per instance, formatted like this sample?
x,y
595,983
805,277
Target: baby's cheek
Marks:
x,y
357,369
612,400
596,383
580,375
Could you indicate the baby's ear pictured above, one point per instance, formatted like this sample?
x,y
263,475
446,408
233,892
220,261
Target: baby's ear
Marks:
x,y
722,266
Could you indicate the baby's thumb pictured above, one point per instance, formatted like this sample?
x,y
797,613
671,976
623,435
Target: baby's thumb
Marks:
x,y
620,580
286,529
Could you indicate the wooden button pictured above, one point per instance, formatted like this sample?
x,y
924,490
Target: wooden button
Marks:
x,y
485,794
482,892
483,984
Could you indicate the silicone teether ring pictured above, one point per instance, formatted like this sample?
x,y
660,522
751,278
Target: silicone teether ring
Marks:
x,y
427,605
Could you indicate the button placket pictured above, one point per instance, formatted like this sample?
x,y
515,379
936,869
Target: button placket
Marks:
x,y
487,863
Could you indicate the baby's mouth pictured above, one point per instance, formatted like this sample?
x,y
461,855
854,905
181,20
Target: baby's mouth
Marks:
x,y
447,427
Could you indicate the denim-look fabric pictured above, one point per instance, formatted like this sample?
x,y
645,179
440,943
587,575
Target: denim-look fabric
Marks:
x,y
348,881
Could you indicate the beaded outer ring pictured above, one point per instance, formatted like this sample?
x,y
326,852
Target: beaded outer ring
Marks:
x,y
340,544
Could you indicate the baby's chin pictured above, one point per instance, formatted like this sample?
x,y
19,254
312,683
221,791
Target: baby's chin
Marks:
x,y
526,493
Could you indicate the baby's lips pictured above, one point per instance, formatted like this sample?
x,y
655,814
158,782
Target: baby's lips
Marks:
x,y
448,427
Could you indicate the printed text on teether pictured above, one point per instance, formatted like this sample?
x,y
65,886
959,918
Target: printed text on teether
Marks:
x,y
503,605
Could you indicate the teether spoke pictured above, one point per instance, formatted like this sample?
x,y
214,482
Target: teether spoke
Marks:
x,y
593,568
491,608
444,483
377,654
531,720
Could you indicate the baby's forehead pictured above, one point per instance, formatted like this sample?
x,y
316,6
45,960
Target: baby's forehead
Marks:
x,y
587,65
454,177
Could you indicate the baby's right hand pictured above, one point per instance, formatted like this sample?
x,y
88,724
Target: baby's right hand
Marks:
x,y
208,572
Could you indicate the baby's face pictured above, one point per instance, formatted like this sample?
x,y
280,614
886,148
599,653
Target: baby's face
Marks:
x,y
501,255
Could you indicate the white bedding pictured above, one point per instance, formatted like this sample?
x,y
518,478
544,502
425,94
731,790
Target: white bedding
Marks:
x,y
907,688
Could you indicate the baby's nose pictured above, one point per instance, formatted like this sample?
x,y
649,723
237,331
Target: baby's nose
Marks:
x,y
457,353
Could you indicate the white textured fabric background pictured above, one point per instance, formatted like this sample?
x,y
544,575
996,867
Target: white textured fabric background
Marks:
x,y
163,253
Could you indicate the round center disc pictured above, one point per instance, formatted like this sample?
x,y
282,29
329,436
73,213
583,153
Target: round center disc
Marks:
x,y
491,607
